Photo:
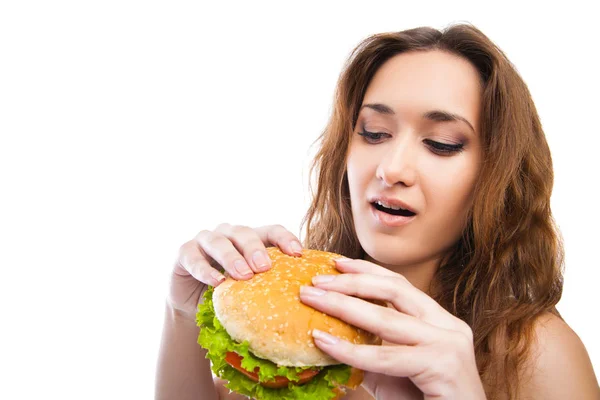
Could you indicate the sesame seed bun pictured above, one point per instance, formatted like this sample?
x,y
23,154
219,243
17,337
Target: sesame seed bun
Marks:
x,y
267,312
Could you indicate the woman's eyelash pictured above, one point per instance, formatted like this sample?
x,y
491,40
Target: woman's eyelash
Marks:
x,y
437,147
445,148
371,135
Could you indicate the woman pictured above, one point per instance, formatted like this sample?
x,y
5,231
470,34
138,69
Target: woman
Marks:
x,y
434,178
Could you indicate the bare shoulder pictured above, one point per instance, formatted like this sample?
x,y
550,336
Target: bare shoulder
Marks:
x,y
559,364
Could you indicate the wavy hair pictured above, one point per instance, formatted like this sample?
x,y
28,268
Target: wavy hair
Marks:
x,y
506,268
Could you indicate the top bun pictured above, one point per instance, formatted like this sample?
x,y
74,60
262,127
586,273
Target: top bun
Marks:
x,y
267,312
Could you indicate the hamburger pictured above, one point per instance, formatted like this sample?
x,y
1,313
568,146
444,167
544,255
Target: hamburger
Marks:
x,y
258,333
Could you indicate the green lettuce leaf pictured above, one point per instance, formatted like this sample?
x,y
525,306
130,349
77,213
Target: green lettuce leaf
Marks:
x,y
217,341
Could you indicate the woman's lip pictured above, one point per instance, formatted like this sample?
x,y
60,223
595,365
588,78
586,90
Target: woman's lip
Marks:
x,y
391,201
389,219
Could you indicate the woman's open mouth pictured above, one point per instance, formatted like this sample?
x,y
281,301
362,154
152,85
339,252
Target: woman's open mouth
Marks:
x,y
391,217
392,211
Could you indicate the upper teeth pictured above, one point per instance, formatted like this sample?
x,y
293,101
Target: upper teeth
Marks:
x,y
386,205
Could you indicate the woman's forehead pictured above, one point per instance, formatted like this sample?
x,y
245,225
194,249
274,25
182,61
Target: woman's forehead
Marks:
x,y
416,83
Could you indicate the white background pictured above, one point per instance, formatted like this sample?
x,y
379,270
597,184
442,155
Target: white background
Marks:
x,y
128,126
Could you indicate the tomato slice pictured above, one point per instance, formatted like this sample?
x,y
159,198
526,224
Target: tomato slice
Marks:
x,y
235,360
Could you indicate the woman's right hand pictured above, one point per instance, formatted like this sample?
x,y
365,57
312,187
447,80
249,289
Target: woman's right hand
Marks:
x,y
238,250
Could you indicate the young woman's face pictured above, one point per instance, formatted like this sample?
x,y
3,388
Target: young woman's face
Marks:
x,y
415,155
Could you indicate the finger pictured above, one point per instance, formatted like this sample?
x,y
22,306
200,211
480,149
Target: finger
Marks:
x,y
403,296
191,262
357,266
386,323
220,249
249,244
277,235
403,361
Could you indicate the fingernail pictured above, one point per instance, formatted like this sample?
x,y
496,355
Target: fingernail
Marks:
x,y
260,261
324,337
296,248
242,268
217,276
311,291
322,279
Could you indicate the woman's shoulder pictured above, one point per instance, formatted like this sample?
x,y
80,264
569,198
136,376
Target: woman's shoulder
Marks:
x,y
559,365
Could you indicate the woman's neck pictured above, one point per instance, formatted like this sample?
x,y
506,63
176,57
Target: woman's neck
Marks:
x,y
419,275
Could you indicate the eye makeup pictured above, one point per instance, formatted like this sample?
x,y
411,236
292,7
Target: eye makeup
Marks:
x,y
443,149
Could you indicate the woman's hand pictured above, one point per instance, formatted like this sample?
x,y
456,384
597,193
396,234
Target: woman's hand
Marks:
x,y
238,250
422,342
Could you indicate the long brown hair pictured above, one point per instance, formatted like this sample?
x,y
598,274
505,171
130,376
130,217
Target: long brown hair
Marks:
x,y
506,269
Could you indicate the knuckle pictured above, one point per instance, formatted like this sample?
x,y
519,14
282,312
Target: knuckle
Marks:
x,y
467,331
186,251
214,239
247,240
279,227
224,227
462,342
240,230
395,296
280,232
429,310
230,257
200,236
196,266
201,273
184,248
387,314
275,233
386,358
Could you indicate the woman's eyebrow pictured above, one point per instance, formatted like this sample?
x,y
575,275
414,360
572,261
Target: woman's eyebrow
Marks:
x,y
433,115
445,116
380,108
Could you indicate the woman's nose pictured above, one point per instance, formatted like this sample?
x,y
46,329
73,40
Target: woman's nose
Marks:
x,y
398,165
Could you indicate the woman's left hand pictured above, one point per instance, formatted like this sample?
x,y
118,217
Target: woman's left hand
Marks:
x,y
422,342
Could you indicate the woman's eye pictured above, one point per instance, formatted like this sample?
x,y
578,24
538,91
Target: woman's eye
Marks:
x,y
371,137
444,148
